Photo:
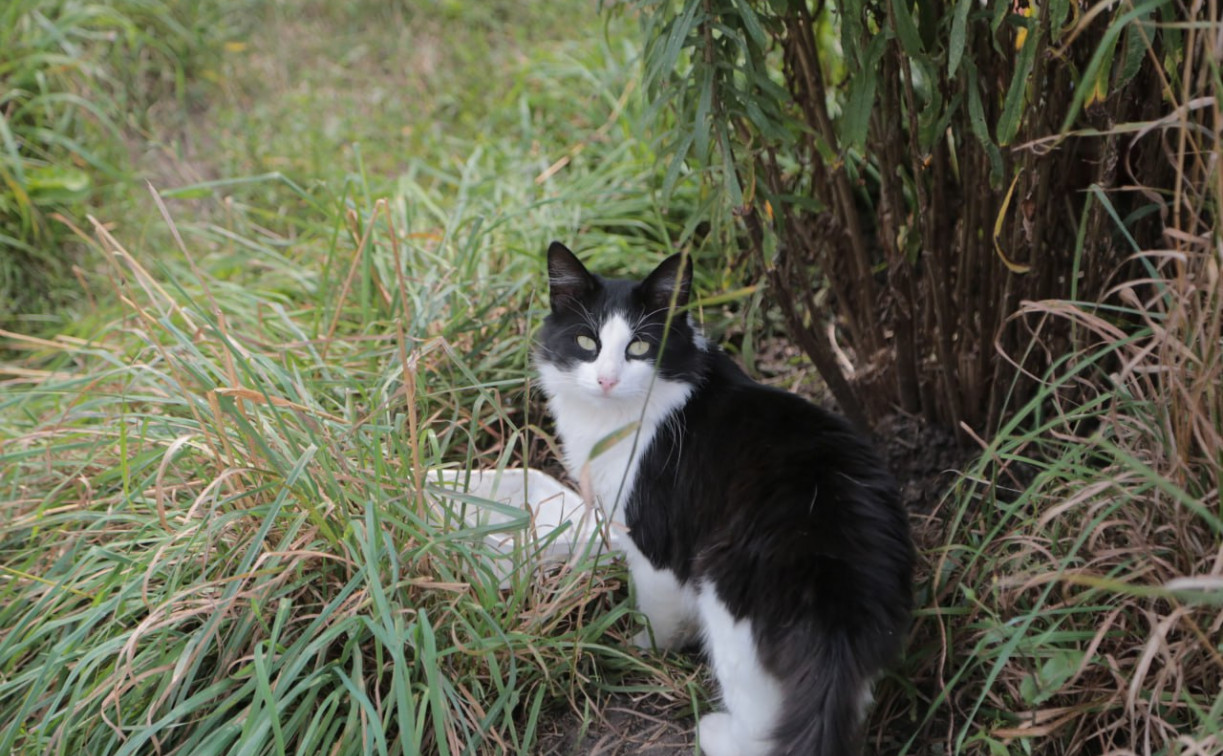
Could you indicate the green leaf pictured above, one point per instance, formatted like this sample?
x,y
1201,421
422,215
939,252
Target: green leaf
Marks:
x,y
677,162
681,27
727,297
855,119
734,192
851,29
770,89
1171,37
752,24
702,120
435,682
188,192
767,126
976,118
613,438
11,150
1052,675
959,36
1104,55
57,181
906,29
1098,86
858,104
1000,12
1016,94
932,120
1058,10
1135,49
931,130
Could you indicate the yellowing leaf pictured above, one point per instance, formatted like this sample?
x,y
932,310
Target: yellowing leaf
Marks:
x,y
1021,34
613,438
1099,90
1014,267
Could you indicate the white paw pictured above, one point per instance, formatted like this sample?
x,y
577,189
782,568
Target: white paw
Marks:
x,y
717,735
714,735
672,638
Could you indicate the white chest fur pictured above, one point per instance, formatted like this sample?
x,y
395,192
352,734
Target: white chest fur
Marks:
x,y
584,425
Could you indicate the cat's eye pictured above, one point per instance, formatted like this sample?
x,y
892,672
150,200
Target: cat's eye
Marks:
x,y
586,343
638,349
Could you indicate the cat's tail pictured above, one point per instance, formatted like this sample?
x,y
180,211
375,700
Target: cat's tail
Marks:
x,y
829,693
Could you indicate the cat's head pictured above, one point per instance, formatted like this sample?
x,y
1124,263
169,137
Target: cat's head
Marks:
x,y
605,338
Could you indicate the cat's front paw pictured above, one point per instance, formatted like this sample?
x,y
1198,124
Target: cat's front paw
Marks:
x,y
717,736
714,735
650,640
657,637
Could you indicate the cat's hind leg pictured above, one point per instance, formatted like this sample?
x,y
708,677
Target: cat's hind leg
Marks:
x,y
752,696
669,606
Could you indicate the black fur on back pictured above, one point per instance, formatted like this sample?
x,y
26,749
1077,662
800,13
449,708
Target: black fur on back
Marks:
x,y
793,518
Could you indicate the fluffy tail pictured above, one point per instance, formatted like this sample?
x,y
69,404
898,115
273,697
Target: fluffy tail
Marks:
x,y
828,694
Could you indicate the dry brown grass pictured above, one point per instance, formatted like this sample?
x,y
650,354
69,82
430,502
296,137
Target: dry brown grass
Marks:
x,y
1076,578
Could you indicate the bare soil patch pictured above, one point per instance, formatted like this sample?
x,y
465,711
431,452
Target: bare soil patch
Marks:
x,y
647,724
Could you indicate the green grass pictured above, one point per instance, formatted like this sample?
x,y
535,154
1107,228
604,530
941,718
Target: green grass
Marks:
x,y
253,564
77,81
218,533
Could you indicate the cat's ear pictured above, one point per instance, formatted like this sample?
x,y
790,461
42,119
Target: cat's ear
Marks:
x,y
671,280
568,279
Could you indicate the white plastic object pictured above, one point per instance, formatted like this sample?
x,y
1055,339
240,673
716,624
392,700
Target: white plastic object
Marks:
x,y
483,498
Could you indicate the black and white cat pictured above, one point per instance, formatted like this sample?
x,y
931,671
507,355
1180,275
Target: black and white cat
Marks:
x,y
759,523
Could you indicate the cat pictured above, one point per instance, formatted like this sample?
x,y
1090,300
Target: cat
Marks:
x,y
759,524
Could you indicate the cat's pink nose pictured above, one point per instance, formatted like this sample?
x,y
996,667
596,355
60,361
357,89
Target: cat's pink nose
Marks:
x,y
608,383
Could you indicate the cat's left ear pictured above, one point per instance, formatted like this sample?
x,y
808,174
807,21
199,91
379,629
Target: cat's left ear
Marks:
x,y
568,279
672,279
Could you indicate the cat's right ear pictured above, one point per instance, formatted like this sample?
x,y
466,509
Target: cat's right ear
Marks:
x,y
568,279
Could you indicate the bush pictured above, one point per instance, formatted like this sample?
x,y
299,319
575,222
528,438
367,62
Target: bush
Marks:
x,y
919,169
1014,220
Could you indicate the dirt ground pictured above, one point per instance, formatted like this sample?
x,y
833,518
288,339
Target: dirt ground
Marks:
x,y
646,725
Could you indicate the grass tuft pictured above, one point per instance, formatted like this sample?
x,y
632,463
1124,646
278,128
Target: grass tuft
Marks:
x,y
246,553
77,77
220,534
